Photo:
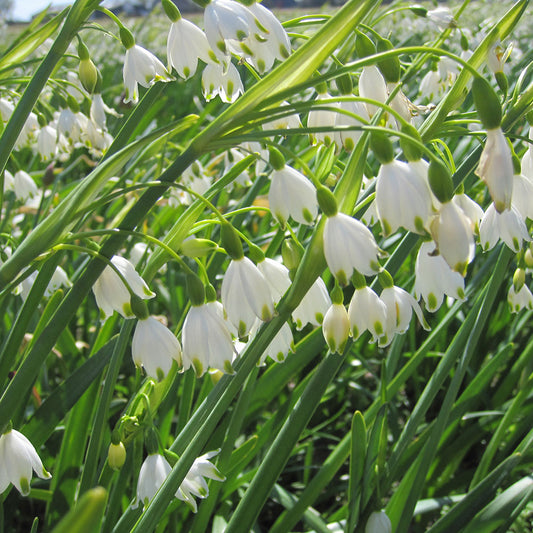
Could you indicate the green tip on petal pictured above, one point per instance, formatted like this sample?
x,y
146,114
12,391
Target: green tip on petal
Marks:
x,y
378,326
419,225
228,368
319,317
432,301
342,278
461,293
266,314
387,230
308,217
126,308
160,374
198,367
242,329
24,486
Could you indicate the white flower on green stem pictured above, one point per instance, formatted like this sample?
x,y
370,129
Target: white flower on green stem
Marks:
x,y
470,208
507,226
378,522
24,186
434,278
496,169
367,312
442,17
186,44
349,138
141,67
523,196
47,142
372,85
99,110
400,306
336,327
277,277
279,347
9,181
291,121
221,81
403,198
71,124
206,340
112,295
17,460
313,306
453,232
245,295
349,245
59,279
291,194
521,299
154,470
323,118
154,347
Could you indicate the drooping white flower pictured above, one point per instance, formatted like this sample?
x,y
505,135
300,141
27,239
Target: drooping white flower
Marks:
x,y
206,340
497,56
470,208
323,118
378,522
291,121
9,181
349,245
245,295
349,138
313,305
521,299
277,277
27,133
154,347
372,85
47,142
336,327
291,194
17,460
59,279
226,83
112,295
442,17
154,470
507,226
431,85
400,306
99,110
24,186
6,109
403,198
367,312
527,160
141,67
186,44
434,278
452,230
496,169
523,196
70,124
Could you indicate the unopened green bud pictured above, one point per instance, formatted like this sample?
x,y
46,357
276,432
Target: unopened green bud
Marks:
x,y
501,80
139,307
364,46
344,84
116,455
327,202
194,247
321,88
390,67
291,253
337,296
519,278
171,10
382,147
528,258
412,151
487,103
195,290
440,181
88,74
464,42
385,279
231,241
126,37
73,104
83,51
276,158
419,11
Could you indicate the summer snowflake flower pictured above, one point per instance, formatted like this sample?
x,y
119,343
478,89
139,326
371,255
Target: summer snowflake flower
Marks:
x,y
277,277
378,522
47,142
323,118
496,169
154,470
141,66
372,85
24,186
349,245
112,295
521,299
403,198
221,81
185,45
435,278
349,138
313,306
367,312
17,460
291,121
523,196
336,327
206,340
507,226
246,295
291,194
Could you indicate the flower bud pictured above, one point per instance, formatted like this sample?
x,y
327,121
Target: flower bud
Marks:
x,y
528,258
126,37
364,46
336,327
116,455
88,74
194,247
519,278
291,253
487,103
195,289
440,181
501,80
411,151
171,10
419,11
390,67
378,522
327,202
276,159
382,147
464,42
231,241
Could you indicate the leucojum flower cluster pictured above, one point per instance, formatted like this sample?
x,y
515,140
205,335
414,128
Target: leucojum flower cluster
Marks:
x,y
330,176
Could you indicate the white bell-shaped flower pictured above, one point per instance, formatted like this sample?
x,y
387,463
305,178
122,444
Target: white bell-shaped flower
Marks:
x,y
452,230
291,194
9,181
6,109
47,142
349,138
245,295
206,340
112,295
141,67
470,208
367,312
277,277
59,279
378,522
372,85
400,306
154,347
519,299
313,306
323,118
496,169
523,196
99,110
336,327
507,226
25,187
349,245
17,460
435,278
291,121
442,17
403,198
154,470
186,44
226,83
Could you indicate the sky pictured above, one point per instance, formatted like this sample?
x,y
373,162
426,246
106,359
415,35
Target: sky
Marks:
x,y
24,9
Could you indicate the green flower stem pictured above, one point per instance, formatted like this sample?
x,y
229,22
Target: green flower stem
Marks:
x,y
92,456
186,399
